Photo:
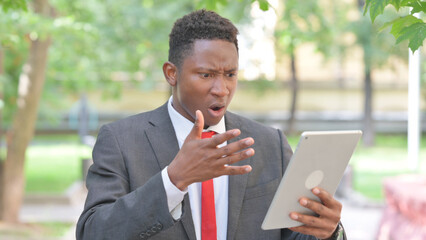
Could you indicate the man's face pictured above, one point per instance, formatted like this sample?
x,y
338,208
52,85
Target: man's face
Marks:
x,y
207,80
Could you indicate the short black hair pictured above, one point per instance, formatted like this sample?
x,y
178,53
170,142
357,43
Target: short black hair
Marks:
x,y
201,24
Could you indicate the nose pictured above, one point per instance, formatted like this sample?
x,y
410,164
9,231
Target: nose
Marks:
x,y
220,86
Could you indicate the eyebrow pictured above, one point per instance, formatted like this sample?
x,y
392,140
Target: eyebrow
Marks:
x,y
213,70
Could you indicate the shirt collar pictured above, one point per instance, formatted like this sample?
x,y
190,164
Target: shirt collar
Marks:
x,y
183,126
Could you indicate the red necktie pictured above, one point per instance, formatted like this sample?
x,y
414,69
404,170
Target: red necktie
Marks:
x,y
208,213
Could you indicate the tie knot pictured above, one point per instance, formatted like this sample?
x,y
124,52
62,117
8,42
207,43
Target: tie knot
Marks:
x,y
208,134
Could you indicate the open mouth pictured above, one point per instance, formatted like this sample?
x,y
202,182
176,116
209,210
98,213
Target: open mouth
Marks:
x,y
216,108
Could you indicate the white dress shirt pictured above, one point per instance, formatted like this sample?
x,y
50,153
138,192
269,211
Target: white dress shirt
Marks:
x,y
175,196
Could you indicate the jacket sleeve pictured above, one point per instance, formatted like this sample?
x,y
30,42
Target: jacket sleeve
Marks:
x,y
111,210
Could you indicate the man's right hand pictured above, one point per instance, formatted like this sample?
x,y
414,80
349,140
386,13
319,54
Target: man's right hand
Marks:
x,y
201,159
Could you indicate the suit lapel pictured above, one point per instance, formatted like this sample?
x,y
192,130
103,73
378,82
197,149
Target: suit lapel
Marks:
x,y
186,220
237,183
162,138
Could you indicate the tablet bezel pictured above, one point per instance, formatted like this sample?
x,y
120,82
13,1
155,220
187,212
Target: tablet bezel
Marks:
x,y
328,152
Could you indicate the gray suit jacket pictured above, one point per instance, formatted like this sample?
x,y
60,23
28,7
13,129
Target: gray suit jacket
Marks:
x,y
127,200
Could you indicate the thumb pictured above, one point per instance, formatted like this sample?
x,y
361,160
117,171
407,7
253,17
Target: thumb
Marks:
x,y
198,127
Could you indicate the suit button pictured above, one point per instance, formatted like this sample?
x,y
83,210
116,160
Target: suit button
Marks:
x,y
158,226
149,233
142,236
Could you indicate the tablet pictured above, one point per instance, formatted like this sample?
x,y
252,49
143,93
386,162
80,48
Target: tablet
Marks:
x,y
320,159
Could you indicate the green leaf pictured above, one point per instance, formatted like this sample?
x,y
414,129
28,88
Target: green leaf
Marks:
x,y
263,5
387,24
396,4
415,34
405,3
367,4
417,6
376,7
400,23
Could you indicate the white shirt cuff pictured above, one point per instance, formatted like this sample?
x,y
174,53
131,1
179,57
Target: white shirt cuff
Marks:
x,y
174,195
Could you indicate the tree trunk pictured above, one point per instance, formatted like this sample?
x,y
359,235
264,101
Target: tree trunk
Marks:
x,y
369,133
339,74
1,134
1,186
294,86
21,132
368,125
368,136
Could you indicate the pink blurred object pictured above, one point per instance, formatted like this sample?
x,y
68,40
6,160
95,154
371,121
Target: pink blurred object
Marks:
x,y
405,213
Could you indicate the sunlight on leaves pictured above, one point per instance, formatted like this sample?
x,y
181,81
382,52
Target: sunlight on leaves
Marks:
x,y
415,33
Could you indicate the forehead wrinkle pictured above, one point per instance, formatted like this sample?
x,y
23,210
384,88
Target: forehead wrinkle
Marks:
x,y
216,66
216,71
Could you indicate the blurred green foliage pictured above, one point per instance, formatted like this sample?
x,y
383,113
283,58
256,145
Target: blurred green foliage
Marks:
x,y
408,27
378,45
300,23
13,5
92,40
96,44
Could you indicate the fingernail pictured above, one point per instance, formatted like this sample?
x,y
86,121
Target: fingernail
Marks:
x,y
294,216
303,202
249,152
235,132
247,169
249,141
316,191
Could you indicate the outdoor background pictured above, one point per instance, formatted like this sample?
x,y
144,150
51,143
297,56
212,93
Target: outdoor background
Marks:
x,y
67,67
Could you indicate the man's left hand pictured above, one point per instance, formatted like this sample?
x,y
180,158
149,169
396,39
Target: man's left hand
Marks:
x,y
326,223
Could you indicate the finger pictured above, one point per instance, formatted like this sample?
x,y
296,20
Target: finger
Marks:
x,y
234,147
318,208
317,226
327,199
319,233
198,127
236,157
310,221
221,138
237,170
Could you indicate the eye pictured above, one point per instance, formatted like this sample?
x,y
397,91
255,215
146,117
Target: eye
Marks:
x,y
231,75
205,75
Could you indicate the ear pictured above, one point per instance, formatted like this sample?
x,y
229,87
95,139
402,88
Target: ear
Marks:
x,y
170,73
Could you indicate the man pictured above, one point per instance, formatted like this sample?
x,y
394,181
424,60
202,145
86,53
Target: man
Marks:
x,y
152,172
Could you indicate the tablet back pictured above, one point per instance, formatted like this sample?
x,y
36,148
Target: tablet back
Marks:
x,y
320,159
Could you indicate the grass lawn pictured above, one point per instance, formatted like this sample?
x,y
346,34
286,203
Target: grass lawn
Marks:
x,y
54,163
388,158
